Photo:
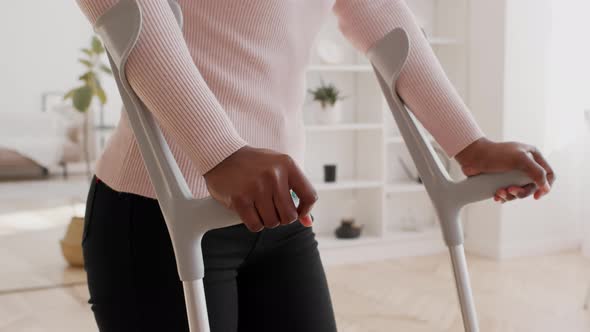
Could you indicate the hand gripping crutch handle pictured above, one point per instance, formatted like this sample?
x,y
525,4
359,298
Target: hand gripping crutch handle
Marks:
x,y
450,197
388,56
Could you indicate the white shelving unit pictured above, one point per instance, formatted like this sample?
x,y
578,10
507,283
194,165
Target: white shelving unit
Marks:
x,y
372,187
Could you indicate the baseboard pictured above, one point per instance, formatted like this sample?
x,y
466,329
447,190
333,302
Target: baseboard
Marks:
x,y
539,247
74,168
381,250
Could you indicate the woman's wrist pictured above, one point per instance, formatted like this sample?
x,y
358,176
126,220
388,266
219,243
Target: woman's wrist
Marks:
x,y
473,151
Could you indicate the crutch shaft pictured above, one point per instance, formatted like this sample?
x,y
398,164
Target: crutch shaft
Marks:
x,y
196,306
464,288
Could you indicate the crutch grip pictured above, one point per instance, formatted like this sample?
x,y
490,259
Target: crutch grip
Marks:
x,y
450,197
480,187
188,221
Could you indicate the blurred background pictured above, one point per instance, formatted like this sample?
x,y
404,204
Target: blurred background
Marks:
x,y
521,65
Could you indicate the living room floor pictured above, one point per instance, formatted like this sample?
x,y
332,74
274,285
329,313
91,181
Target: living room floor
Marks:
x,y
39,293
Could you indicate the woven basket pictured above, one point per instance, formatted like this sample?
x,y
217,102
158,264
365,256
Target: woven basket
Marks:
x,y
71,244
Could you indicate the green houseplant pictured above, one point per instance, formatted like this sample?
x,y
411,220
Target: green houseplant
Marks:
x,y
326,104
82,97
90,88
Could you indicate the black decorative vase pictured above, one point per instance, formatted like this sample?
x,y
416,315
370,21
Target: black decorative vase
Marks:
x,y
348,230
329,173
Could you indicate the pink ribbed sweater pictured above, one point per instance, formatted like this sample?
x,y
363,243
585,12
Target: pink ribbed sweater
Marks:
x,y
235,75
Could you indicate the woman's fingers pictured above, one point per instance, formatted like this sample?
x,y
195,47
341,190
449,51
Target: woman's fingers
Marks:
x,y
249,215
513,192
284,204
304,190
538,169
499,199
536,172
540,159
502,194
526,190
267,211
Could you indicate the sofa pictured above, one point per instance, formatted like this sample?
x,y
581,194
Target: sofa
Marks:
x,y
33,144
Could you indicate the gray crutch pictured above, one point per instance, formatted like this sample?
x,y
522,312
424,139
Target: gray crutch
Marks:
x,y
120,27
388,56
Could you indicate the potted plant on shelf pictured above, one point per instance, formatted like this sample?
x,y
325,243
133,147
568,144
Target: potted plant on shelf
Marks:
x,y
82,97
326,106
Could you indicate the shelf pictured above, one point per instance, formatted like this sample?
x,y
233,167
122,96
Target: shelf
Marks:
x,y
330,241
347,184
344,127
368,68
404,187
433,233
104,127
373,186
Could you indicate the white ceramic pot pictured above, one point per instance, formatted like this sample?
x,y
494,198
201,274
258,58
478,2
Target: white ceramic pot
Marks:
x,y
331,114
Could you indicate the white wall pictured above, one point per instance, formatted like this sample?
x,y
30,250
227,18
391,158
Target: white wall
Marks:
x,y
536,45
528,23
40,47
486,95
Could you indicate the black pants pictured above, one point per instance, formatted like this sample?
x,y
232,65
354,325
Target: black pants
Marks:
x,y
267,281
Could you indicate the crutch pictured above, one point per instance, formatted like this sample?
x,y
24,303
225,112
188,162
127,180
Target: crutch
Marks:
x,y
119,29
388,56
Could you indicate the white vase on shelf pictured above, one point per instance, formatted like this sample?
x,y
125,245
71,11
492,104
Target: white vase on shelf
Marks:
x,y
329,52
328,114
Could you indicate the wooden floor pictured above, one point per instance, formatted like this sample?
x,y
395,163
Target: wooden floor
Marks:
x,y
543,294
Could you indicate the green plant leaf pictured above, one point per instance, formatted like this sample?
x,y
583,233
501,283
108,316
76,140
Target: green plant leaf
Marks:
x,y
85,62
94,82
102,96
81,98
97,47
88,77
69,94
326,94
84,77
87,52
98,91
106,69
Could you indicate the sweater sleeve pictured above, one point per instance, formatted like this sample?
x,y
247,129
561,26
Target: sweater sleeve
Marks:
x,y
163,75
423,84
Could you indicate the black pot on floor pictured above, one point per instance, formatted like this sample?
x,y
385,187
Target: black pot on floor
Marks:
x,y
348,230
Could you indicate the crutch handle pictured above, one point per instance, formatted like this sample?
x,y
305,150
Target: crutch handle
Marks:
x,y
188,221
479,187
450,197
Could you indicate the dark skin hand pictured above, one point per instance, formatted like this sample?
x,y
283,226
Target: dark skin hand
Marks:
x,y
485,156
255,183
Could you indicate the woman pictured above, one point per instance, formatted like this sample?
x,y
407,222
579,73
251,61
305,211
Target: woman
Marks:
x,y
227,92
